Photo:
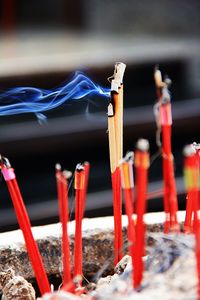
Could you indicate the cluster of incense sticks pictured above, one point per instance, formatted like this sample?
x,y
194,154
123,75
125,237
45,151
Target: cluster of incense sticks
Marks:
x,y
81,183
24,223
135,193
80,186
164,122
115,130
62,190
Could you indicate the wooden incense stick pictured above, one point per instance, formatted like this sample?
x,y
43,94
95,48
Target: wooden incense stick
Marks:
x,y
164,121
141,162
62,190
128,185
115,129
24,223
79,184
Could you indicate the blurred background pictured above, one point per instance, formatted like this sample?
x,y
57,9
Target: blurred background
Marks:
x,y
43,42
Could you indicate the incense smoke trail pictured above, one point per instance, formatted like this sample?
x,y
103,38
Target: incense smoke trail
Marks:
x,y
34,100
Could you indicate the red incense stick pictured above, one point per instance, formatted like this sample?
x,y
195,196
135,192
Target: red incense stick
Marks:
x,y
79,184
192,177
197,148
141,163
24,223
62,189
168,165
165,122
128,185
87,172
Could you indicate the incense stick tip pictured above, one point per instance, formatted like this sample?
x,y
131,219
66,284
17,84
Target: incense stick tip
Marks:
x,y
142,144
119,71
67,174
58,167
158,77
189,150
196,145
129,156
6,162
117,78
110,110
79,167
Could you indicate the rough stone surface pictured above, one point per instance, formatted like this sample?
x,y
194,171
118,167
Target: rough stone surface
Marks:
x,y
97,246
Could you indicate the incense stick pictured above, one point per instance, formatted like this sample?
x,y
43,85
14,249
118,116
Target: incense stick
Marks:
x,y
115,129
62,189
86,180
141,163
79,184
164,121
24,223
128,185
191,176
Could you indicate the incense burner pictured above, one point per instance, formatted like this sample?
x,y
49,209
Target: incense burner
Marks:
x,y
168,257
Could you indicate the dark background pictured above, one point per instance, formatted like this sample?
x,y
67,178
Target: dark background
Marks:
x,y
43,42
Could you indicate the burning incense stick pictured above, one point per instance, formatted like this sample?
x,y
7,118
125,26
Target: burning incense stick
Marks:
x,y
62,189
141,163
128,185
24,223
115,129
164,121
79,185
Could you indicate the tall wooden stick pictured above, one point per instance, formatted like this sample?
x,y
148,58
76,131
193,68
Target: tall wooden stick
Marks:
x,y
24,223
141,162
164,121
62,189
115,129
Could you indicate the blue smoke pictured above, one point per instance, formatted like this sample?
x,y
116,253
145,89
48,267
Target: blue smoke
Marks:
x,y
34,100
